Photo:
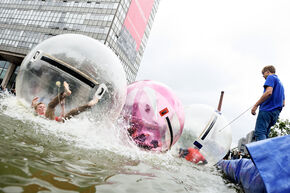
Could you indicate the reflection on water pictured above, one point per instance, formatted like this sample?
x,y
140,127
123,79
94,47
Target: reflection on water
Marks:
x,y
37,155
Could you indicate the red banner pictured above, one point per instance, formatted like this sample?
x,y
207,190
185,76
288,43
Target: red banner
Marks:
x,y
137,18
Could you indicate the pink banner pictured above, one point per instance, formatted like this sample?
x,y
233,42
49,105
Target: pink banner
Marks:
x,y
137,18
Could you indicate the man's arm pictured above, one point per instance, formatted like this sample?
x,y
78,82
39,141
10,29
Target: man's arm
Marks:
x,y
263,98
60,118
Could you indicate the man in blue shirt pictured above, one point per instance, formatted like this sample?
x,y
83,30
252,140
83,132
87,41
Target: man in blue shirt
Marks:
x,y
271,103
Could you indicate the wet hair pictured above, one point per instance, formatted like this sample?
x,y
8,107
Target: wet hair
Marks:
x,y
35,107
269,68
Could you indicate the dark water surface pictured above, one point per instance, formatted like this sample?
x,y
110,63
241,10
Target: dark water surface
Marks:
x,y
39,156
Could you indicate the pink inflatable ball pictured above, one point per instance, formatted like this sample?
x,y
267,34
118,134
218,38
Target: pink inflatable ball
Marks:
x,y
155,115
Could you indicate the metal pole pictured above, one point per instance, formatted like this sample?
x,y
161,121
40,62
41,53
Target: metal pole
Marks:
x,y
220,102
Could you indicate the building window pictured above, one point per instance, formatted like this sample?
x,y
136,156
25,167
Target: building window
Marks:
x,y
3,69
11,82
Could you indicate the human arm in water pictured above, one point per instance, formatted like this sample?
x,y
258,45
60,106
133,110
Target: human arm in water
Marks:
x,y
50,112
62,114
98,95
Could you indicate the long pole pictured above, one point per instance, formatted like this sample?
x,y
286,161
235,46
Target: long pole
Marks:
x,y
220,102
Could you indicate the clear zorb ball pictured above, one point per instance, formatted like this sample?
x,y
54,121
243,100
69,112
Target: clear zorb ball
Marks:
x,y
155,115
81,61
206,129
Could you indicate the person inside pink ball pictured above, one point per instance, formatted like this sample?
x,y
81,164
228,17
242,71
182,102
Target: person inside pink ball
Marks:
x,y
154,114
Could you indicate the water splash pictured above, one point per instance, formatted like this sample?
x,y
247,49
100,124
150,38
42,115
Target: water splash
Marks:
x,y
83,132
83,154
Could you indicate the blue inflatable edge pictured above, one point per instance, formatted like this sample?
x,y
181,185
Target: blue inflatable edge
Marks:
x,y
244,172
272,159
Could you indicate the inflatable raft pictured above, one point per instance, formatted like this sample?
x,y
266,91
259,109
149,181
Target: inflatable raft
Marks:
x,y
268,170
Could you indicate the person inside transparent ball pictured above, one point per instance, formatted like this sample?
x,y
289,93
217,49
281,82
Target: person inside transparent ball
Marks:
x,y
49,110
193,155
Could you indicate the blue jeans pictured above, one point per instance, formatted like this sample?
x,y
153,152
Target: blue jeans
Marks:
x,y
265,121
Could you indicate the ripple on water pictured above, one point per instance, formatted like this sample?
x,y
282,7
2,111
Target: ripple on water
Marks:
x,y
37,155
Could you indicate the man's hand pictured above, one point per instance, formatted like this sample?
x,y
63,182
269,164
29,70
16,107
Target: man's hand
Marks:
x,y
254,110
264,97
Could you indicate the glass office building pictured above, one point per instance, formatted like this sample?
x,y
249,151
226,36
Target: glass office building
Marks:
x,y
122,25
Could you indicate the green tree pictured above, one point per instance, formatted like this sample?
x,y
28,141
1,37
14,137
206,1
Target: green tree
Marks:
x,y
281,128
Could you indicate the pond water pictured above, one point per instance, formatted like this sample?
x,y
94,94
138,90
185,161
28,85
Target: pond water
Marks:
x,y
83,155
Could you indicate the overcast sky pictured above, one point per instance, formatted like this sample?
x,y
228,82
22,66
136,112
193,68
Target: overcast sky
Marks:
x,y
199,48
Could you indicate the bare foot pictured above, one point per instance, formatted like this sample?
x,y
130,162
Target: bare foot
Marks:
x,y
66,88
94,101
98,95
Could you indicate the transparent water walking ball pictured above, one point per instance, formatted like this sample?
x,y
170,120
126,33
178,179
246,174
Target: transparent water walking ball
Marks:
x,y
81,61
208,130
155,115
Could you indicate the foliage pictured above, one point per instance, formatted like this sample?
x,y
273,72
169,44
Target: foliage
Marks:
x,y
281,128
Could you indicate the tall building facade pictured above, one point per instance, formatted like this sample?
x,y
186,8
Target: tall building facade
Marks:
x,y
122,25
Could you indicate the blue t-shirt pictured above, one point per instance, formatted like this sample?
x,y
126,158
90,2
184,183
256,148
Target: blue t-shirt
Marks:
x,y
275,101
